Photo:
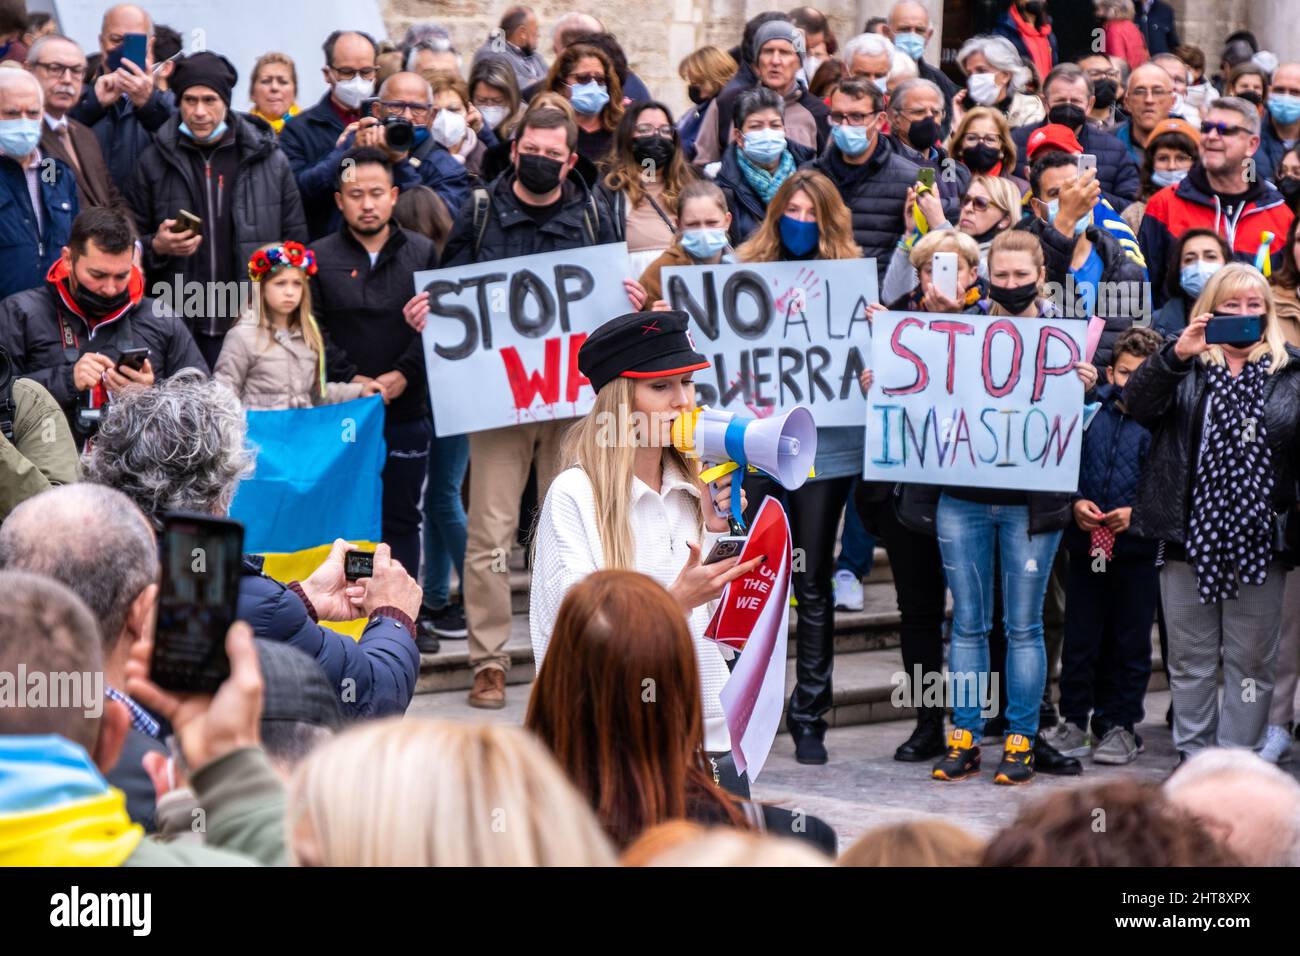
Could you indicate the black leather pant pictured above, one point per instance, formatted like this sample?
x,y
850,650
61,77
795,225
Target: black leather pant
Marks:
x,y
814,511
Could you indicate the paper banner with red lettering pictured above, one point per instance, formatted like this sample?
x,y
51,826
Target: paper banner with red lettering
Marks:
x,y
752,617
975,400
502,338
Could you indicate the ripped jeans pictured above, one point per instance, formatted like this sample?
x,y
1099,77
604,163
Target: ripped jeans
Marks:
x,y
968,532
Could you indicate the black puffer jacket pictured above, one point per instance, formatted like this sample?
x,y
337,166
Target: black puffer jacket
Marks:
x,y
917,504
747,208
1116,170
874,192
1167,395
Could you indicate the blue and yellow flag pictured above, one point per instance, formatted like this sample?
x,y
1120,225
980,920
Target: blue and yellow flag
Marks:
x,y
1105,217
317,478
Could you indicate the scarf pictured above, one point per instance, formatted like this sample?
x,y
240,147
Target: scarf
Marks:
x,y
56,809
1036,41
760,180
277,122
1230,526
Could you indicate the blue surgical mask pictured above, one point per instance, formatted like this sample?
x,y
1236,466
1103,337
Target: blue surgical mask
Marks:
x,y
798,236
1284,107
852,140
217,133
421,134
764,146
704,243
1054,207
1171,177
588,98
18,137
1193,276
913,44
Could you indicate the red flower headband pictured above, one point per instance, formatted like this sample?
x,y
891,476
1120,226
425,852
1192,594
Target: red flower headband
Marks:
x,y
291,253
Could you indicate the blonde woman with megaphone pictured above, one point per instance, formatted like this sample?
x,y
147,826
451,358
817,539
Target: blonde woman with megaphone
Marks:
x,y
627,499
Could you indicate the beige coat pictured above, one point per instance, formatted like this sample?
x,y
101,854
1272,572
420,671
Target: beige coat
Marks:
x,y
1288,313
275,372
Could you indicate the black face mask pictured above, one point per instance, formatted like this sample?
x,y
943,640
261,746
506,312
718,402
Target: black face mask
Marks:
x,y
922,134
1105,92
1067,114
95,306
982,158
527,49
1016,298
1289,187
695,95
1034,8
1250,96
656,149
538,174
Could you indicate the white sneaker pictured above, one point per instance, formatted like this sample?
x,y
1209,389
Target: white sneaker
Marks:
x,y
1277,744
848,591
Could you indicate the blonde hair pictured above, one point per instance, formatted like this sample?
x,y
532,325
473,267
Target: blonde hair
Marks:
x,y
1232,279
300,318
737,848
265,60
609,460
1002,193
1017,240
708,68
1116,9
660,839
944,240
1004,134
419,792
834,223
915,843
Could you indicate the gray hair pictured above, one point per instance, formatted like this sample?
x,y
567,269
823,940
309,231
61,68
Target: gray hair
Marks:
x,y
898,100
900,64
1238,105
421,32
1002,56
177,446
574,25
867,44
92,539
13,79
911,3
1068,72
34,51
434,44
755,101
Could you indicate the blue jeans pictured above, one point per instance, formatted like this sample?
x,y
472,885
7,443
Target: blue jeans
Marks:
x,y
968,532
444,517
857,547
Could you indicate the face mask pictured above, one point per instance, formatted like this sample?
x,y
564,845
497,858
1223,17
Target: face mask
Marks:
x,y
1016,298
588,98
982,158
96,306
983,88
1250,96
1284,107
764,146
1067,114
448,128
1289,187
1199,94
1168,177
1105,93
913,44
216,134
1054,207
797,236
922,134
493,115
696,97
882,84
351,92
810,65
538,174
656,149
1193,276
528,49
704,243
18,137
852,140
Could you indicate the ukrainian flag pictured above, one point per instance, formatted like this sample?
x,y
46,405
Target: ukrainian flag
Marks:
x,y
317,478
1105,217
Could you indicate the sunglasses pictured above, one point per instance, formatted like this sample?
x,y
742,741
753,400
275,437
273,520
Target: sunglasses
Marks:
x,y
981,203
1223,129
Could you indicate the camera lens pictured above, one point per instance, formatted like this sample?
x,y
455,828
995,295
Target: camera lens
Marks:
x,y
399,133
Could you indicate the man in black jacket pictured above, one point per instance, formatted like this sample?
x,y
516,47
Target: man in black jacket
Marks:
x,y
1155,19
870,173
225,170
69,333
915,117
909,27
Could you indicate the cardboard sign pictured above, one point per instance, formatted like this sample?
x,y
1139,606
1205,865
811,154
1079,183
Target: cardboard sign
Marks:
x,y
979,401
502,339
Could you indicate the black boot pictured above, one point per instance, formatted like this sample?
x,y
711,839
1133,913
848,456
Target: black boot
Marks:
x,y
1047,759
927,740
808,746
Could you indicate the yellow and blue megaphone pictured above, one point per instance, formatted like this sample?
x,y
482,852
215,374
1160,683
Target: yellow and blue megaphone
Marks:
x,y
782,446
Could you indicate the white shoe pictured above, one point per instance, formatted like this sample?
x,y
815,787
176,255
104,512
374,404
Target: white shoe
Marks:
x,y
848,591
1277,744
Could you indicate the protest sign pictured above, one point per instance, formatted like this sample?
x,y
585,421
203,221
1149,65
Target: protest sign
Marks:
x,y
502,339
974,400
779,334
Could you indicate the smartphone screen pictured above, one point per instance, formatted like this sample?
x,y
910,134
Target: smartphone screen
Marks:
x,y
133,359
135,48
358,564
201,561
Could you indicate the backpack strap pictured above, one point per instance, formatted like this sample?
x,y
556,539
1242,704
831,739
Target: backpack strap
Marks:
x,y
7,407
482,203
591,219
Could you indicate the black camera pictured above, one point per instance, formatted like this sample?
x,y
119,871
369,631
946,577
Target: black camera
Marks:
x,y
399,133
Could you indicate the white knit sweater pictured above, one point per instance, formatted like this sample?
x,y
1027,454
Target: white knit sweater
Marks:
x,y
568,549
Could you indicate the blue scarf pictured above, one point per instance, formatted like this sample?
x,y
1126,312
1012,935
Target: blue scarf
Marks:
x,y
764,183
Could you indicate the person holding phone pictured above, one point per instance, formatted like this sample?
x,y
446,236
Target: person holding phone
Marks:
x,y
1219,487
635,502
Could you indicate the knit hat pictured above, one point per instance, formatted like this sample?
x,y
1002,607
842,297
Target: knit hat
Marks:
x,y
778,30
639,345
204,69
1175,124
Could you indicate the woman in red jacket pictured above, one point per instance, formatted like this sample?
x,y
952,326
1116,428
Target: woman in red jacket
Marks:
x,y
1123,38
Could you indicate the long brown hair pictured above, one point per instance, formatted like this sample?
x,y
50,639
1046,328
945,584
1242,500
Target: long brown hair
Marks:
x,y
627,175
834,224
613,110
617,701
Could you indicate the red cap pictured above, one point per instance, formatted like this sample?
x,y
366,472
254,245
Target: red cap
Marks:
x,y
1052,136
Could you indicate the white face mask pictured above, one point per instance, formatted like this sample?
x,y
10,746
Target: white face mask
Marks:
x,y
810,65
448,128
493,115
983,88
351,92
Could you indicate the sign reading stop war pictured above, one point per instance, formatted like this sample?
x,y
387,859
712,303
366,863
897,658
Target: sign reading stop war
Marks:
x,y
975,400
779,334
502,338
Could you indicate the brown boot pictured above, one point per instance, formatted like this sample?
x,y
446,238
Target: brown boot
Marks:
x,y
489,689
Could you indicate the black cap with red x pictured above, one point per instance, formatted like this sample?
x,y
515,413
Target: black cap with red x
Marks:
x,y
640,345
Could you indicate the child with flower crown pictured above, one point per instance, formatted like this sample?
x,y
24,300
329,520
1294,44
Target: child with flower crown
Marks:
x,y
275,357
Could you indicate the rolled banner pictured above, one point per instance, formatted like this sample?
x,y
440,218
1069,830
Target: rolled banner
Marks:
x,y
1263,261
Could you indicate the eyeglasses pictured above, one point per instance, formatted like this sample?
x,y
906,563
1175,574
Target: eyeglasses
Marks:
x,y
1149,93
62,69
981,203
645,129
921,113
1223,129
577,79
398,106
853,119
345,74
988,139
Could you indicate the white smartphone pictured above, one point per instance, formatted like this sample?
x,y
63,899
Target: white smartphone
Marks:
x,y
1087,161
943,268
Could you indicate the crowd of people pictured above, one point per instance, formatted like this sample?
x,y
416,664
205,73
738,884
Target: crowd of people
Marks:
x,y
170,263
